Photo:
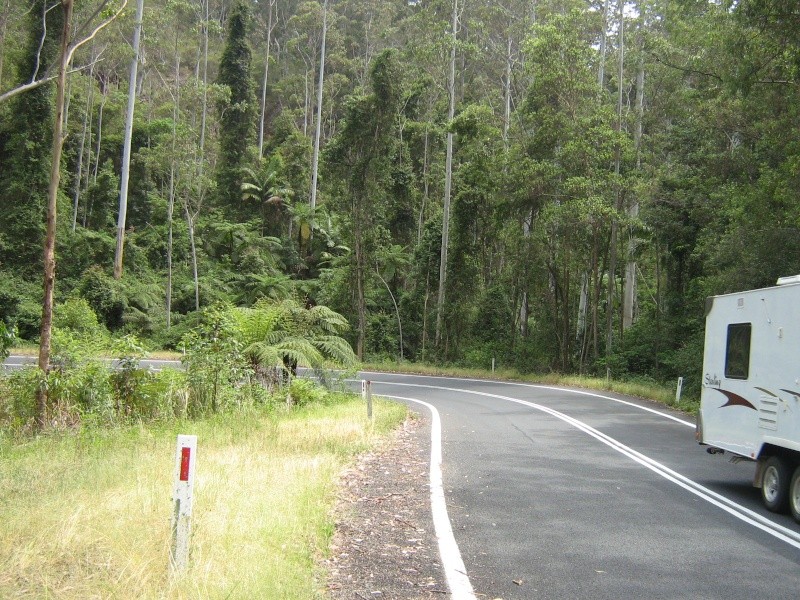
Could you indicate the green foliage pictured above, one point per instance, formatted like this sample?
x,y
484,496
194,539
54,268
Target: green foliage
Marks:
x,y
104,295
213,361
305,391
281,336
537,193
6,340
236,112
26,147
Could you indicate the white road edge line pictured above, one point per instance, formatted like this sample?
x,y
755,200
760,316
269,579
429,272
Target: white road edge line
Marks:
x,y
740,512
549,387
453,565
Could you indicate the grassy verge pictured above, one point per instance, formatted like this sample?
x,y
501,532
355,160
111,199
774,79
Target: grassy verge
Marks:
x,y
88,515
640,389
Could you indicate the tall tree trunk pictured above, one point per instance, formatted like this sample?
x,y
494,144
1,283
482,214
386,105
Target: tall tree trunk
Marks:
x,y
76,192
99,140
425,187
525,305
612,249
193,248
172,178
270,27
45,333
601,71
596,285
629,301
204,113
126,151
451,87
318,124
507,91
361,305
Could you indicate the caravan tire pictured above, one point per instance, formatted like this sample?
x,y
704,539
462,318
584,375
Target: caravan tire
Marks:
x,y
794,495
775,484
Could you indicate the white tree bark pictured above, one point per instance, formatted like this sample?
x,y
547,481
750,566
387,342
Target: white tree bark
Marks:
x,y
629,300
612,251
173,177
126,151
451,88
601,71
318,124
45,333
76,192
507,91
270,27
81,38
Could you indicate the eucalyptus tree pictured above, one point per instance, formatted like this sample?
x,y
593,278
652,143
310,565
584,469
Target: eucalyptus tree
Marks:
x,y
67,47
477,235
126,153
271,23
569,143
360,159
320,88
448,176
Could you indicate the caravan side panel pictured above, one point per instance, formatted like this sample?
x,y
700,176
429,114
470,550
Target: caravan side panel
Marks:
x,y
751,371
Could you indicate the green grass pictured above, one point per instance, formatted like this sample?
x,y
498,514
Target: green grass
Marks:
x,y
640,389
87,515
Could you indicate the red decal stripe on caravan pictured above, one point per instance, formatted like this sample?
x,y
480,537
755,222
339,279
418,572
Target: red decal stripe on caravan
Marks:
x,y
735,400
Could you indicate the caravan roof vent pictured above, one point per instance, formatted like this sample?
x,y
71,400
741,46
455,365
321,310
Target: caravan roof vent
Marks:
x,y
789,280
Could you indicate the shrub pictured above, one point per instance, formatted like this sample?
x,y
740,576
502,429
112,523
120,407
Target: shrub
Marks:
x,y
305,391
6,338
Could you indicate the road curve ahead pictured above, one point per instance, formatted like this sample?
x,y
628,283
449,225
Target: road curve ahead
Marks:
x,y
555,493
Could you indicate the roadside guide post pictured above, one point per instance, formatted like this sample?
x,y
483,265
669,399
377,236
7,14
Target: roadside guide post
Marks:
x,y
366,394
182,494
679,390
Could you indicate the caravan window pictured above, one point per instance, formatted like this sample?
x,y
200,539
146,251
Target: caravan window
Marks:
x,y
737,351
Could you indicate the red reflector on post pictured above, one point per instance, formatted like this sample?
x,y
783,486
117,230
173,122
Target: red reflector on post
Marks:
x,y
185,458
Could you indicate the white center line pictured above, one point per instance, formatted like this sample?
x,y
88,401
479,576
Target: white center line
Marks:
x,y
731,507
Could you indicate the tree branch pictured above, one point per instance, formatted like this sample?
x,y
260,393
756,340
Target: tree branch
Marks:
x,y
48,77
26,87
659,59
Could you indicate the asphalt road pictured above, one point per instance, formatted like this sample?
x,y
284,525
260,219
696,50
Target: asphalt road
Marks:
x,y
19,361
558,494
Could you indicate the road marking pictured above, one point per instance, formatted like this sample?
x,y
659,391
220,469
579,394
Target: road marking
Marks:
x,y
742,513
555,389
453,565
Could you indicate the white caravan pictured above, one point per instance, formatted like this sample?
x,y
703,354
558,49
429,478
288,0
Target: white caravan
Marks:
x,y
750,399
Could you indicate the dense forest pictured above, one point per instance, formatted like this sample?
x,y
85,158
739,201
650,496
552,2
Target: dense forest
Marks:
x,y
554,184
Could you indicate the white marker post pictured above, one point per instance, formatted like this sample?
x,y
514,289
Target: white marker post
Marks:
x,y
679,390
366,394
182,494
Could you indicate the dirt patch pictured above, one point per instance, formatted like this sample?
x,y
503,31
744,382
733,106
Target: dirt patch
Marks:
x,y
385,545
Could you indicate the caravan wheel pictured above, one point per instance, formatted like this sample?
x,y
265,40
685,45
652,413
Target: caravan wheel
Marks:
x,y
794,495
775,484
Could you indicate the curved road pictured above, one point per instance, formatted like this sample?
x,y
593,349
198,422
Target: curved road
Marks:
x,y
556,493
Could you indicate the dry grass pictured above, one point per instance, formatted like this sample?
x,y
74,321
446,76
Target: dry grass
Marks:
x,y
88,516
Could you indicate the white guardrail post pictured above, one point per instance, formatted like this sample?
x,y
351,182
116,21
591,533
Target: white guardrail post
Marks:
x,y
366,394
182,493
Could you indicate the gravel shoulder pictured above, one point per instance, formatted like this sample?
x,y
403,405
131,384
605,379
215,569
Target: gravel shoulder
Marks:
x,y
384,545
